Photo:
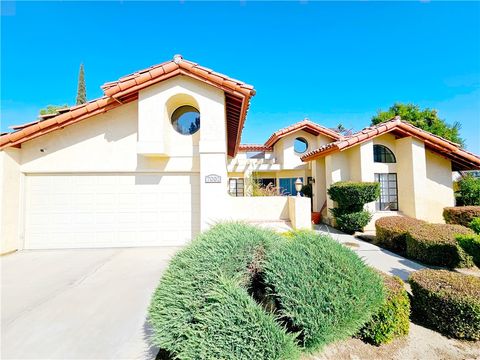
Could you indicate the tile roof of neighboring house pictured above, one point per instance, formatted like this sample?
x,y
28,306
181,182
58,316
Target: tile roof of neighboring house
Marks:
x,y
254,147
237,101
305,125
462,159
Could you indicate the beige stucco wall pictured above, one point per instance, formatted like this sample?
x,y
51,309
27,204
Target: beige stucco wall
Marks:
x,y
256,208
411,166
285,153
11,182
108,142
438,186
299,210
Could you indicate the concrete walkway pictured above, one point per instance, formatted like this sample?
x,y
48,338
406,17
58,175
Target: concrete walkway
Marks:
x,y
375,256
79,304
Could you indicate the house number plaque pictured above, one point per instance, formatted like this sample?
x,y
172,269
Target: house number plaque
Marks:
x,y
213,179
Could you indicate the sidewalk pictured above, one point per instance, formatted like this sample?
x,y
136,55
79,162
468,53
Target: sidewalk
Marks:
x,y
373,255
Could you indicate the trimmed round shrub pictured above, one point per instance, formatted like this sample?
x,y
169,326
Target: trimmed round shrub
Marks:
x,y
322,289
351,222
448,302
475,225
392,320
352,196
203,308
391,232
436,244
461,215
471,245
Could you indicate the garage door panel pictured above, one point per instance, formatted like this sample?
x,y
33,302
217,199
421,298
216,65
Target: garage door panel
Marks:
x,y
64,211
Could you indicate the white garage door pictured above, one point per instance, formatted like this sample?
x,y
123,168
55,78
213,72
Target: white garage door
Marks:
x,y
83,211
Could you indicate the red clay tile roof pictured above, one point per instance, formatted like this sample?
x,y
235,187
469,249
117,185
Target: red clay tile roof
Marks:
x,y
305,125
462,159
254,147
237,101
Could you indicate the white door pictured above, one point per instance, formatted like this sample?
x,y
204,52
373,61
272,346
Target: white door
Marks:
x,y
99,210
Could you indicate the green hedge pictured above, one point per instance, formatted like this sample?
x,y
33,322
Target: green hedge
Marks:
x,y
391,232
351,222
202,307
350,198
393,318
436,244
475,225
447,301
461,215
471,245
322,289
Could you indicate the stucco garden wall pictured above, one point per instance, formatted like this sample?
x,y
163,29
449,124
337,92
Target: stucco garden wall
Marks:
x,y
295,209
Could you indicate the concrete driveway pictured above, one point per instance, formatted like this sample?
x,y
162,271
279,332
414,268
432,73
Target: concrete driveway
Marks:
x,y
79,304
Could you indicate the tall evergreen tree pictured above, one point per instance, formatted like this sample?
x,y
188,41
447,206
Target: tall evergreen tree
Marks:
x,y
81,89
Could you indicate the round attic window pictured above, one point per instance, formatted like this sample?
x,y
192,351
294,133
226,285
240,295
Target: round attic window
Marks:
x,y
300,145
186,120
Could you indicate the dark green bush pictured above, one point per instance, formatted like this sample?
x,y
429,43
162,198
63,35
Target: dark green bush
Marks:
x,y
435,244
471,245
322,289
468,192
447,301
461,215
393,318
351,222
475,225
202,308
352,196
391,232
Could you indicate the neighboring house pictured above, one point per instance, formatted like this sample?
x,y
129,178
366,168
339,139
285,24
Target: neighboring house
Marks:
x,y
414,168
153,161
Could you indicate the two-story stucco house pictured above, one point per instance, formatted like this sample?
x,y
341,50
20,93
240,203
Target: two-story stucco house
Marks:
x,y
158,158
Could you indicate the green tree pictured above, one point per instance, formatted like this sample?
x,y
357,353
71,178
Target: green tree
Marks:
x,y
52,109
81,88
426,119
468,193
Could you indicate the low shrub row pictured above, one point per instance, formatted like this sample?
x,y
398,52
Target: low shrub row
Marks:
x,y
475,225
436,244
448,302
322,288
391,232
433,244
392,320
461,215
471,245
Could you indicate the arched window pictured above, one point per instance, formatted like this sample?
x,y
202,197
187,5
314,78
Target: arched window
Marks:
x,y
382,154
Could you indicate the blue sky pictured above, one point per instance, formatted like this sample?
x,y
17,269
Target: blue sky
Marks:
x,y
331,62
